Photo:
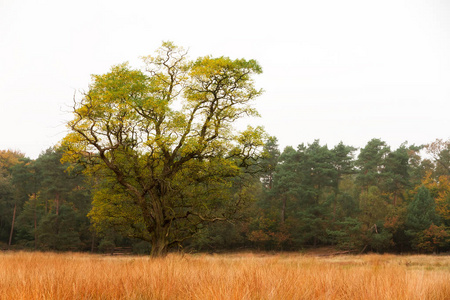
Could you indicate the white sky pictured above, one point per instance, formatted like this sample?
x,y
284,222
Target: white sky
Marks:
x,y
333,70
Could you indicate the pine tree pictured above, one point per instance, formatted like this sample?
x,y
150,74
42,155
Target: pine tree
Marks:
x,y
421,215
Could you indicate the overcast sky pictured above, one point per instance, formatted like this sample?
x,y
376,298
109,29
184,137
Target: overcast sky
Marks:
x,y
333,70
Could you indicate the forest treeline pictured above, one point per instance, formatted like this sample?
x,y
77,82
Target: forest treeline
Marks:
x,y
370,199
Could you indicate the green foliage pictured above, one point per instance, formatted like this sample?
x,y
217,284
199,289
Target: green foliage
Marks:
x,y
7,196
27,221
106,246
160,143
306,191
54,214
373,207
269,161
307,196
371,162
347,235
396,173
440,151
153,161
241,194
420,216
219,236
60,232
373,212
421,211
381,240
346,199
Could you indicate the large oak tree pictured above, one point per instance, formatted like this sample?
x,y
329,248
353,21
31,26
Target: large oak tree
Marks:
x,y
161,144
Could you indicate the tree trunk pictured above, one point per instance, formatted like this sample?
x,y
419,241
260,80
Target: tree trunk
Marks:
x,y
160,233
35,224
283,211
160,243
12,225
57,203
334,207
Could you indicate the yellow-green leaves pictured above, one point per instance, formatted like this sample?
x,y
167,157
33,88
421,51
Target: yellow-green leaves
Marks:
x,y
158,142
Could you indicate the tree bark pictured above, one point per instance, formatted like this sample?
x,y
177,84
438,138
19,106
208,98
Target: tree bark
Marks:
x,y
12,224
160,243
283,211
57,203
35,222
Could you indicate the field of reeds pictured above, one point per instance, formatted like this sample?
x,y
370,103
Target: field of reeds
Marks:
x,y
229,276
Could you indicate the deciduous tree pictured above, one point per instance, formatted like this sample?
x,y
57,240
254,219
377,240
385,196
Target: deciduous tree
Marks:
x,y
161,144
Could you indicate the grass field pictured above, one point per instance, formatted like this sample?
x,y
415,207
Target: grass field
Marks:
x,y
235,276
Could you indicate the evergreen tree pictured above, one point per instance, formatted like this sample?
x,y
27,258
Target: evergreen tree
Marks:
x,y
371,163
60,231
270,161
421,215
396,173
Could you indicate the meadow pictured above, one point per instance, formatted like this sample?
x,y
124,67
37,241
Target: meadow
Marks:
x,y
38,275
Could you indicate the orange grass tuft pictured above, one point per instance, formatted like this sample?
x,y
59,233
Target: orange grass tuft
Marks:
x,y
239,276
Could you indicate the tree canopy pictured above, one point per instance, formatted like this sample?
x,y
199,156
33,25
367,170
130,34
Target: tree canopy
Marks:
x,y
155,159
161,145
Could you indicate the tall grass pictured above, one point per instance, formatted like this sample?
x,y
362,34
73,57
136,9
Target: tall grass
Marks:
x,y
239,276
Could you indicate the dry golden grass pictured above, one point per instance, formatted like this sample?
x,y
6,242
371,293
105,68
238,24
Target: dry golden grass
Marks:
x,y
238,276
